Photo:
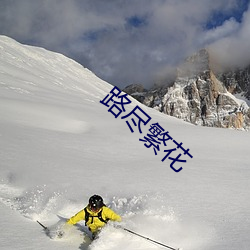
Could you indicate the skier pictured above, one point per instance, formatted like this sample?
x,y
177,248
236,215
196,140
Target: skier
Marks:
x,y
95,214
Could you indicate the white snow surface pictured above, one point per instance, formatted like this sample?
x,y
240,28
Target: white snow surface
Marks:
x,y
59,145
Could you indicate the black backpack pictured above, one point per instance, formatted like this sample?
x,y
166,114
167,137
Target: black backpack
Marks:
x,y
88,216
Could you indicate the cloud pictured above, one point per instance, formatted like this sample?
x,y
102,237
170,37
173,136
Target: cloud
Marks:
x,y
125,42
233,49
228,28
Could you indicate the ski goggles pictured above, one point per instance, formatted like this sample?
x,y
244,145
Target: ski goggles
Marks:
x,y
94,208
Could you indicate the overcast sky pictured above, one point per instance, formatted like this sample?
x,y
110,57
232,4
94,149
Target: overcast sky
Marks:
x,y
131,41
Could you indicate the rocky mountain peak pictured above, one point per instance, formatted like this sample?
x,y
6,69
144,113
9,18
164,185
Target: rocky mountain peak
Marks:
x,y
200,96
196,64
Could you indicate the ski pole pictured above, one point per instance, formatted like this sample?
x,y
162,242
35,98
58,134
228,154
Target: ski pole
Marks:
x,y
146,238
45,228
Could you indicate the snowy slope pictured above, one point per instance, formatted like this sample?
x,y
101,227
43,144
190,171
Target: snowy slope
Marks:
x,y
59,145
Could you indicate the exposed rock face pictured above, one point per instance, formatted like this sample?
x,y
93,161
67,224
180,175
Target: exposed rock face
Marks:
x,y
136,90
237,81
199,97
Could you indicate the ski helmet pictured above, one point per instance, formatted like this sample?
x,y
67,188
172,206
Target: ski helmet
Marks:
x,y
95,202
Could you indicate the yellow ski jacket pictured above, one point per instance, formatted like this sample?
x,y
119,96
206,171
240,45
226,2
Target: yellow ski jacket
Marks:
x,y
94,223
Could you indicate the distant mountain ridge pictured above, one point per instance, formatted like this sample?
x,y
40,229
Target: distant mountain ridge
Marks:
x,y
200,95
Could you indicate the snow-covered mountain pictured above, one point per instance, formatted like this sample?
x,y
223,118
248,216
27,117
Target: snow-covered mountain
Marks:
x,y
201,95
59,145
